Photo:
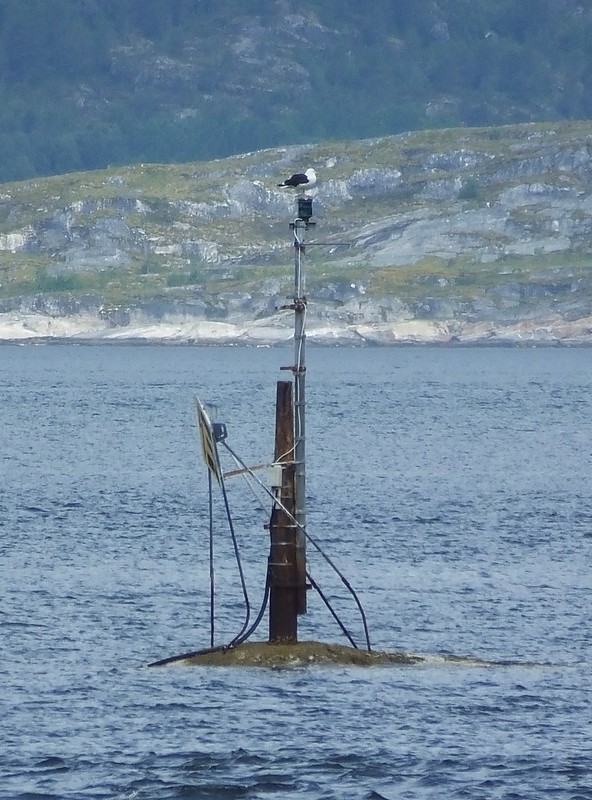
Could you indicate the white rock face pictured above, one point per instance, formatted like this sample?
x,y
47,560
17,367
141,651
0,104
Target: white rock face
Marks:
x,y
15,326
13,242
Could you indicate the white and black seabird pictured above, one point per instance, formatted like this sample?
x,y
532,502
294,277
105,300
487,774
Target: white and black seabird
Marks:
x,y
300,180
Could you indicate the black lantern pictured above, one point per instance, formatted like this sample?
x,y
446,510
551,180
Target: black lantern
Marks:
x,y
304,208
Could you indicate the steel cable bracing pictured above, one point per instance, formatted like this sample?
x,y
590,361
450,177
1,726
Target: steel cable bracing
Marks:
x,y
246,474
325,600
313,583
314,543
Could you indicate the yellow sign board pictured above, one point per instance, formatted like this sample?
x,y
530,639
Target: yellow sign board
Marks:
x,y
208,442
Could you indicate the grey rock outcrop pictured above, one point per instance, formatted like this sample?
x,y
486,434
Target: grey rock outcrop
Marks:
x,y
487,227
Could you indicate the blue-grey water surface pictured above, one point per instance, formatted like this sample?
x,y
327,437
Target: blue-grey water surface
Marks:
x,y
452,486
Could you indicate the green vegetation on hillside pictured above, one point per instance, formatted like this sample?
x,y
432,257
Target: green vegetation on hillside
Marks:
x,y
92,83
511,230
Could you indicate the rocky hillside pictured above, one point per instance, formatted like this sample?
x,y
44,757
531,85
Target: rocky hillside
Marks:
x,y
455,235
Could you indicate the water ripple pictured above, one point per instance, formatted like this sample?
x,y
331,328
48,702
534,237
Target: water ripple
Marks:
x,y
452,488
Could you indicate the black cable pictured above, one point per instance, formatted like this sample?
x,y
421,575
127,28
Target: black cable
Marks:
x,y
212,587
346,583
342,577
257,621
238,562
325,600
171,659
247,631
222,647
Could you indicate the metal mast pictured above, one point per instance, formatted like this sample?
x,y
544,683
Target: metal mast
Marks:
x,y
299,227
299,368
287,563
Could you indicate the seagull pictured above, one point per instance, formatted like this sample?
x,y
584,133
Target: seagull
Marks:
x,y
300,180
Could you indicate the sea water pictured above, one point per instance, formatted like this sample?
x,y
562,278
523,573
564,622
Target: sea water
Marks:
x,y
450,486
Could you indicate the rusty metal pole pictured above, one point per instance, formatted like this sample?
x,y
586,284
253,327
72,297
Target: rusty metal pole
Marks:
x,y
282,566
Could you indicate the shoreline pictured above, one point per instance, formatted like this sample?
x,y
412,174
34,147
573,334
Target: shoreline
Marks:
x,y
164,342
40,329
555,333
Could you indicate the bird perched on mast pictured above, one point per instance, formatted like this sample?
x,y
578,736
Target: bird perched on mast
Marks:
x,y
300,180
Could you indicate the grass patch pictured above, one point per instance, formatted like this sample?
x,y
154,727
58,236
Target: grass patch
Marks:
x,y
256,247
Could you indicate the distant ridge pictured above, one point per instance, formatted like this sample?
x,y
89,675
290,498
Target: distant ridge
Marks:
x,y
452,236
